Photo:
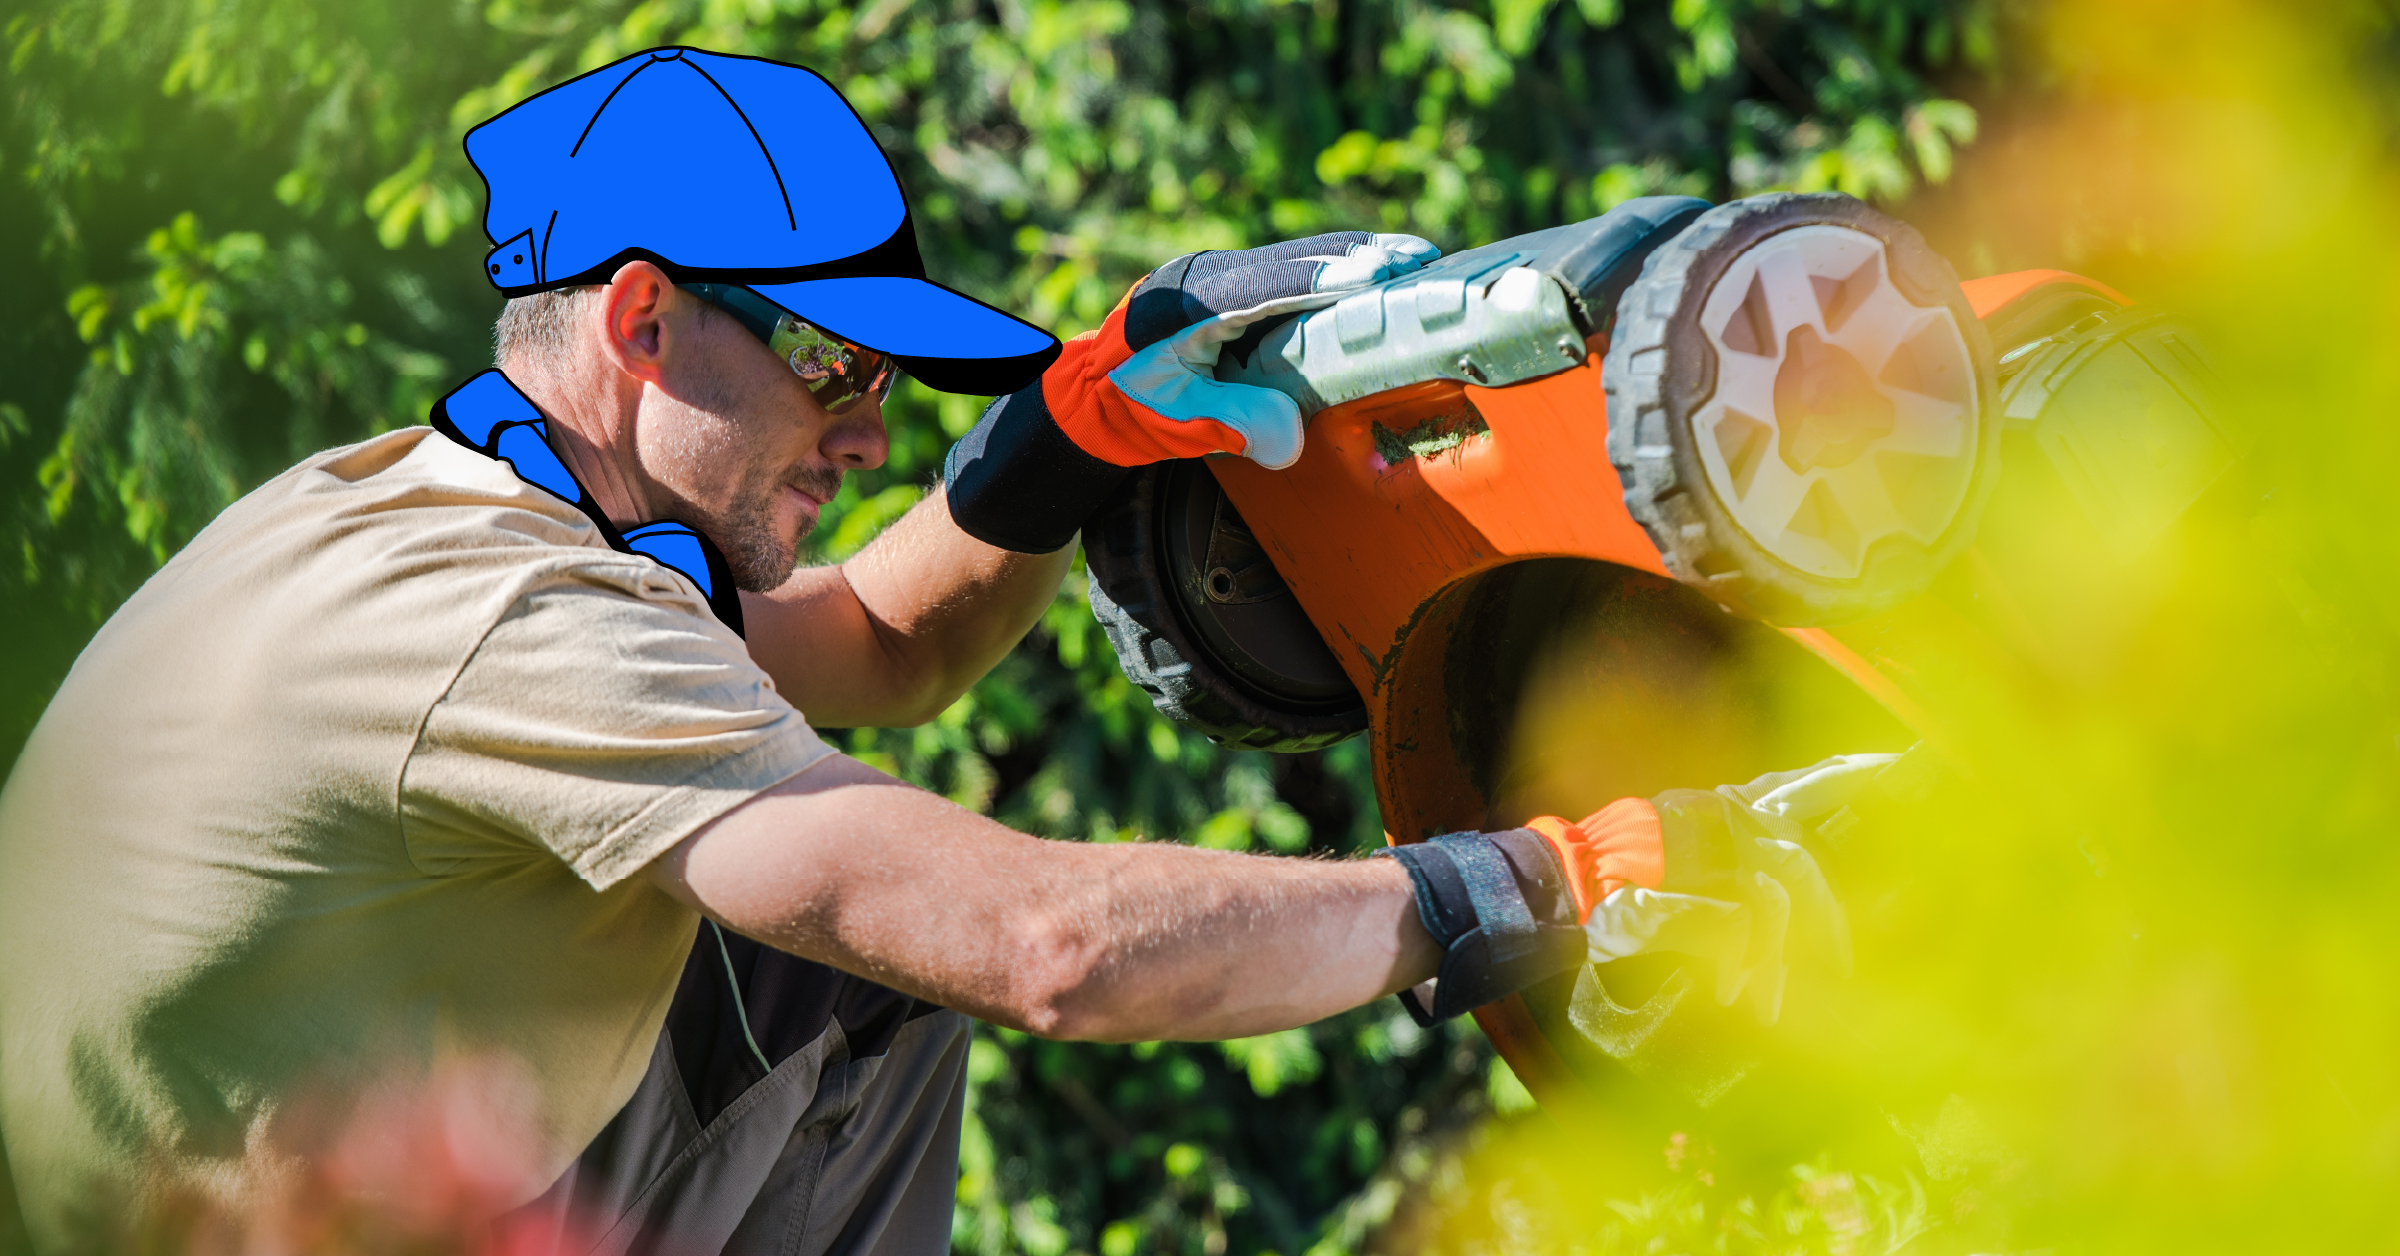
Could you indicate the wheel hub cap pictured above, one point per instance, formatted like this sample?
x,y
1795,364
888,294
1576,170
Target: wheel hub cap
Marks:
x,y
1844,413
1825,405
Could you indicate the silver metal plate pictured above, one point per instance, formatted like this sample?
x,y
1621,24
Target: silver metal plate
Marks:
x,y
1476,318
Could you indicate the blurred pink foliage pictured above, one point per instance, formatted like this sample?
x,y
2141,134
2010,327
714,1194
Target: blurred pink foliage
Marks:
x,y
436,1163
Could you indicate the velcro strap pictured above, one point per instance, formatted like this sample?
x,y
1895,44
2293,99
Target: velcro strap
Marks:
x,y
1492,888
1472,898
1470,976
1443,904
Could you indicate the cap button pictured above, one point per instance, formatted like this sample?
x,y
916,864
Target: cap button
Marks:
x,y
666,54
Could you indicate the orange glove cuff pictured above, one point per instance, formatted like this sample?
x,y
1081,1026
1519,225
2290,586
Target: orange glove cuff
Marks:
x,y
1617,845
1104,422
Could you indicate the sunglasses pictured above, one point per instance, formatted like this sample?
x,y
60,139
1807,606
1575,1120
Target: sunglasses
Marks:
x,y
839,374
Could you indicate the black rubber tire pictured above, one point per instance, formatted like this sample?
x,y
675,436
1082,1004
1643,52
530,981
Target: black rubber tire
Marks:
x,y
1135,605
1652,444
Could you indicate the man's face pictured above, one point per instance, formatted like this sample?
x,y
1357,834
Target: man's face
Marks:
x,y
739,449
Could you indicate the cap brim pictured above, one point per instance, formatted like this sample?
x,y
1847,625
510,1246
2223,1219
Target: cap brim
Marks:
x,y
949,342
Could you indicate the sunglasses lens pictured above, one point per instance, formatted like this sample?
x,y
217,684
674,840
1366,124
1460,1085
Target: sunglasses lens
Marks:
x,y
839,374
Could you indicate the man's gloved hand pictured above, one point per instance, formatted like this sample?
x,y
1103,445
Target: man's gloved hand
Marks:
x,y
1143,388
1740,888
1717,874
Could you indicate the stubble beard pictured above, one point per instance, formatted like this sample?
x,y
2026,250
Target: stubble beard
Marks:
x,y
760,555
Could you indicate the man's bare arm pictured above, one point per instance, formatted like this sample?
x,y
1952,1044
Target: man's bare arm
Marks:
x,y
894,635
1124,943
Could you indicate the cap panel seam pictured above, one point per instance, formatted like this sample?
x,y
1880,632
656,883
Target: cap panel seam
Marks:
x,y
604,102
789,218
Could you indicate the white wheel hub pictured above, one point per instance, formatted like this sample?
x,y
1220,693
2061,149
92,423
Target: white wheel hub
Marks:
x,y
1843,413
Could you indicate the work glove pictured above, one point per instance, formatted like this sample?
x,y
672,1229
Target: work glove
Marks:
x,y
1721,875
1143,387
1741,889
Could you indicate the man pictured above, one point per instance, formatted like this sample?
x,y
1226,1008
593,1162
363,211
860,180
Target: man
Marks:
x,y
453,741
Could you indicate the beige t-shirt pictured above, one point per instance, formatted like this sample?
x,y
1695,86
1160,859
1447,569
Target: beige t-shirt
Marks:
x,y
363,776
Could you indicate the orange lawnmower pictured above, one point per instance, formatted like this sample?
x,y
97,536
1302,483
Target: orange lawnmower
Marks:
x,y
1696,468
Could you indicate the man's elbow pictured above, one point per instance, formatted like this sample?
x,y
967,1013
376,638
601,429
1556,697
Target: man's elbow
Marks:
x,y
1062,987
917,690
911,710
901,697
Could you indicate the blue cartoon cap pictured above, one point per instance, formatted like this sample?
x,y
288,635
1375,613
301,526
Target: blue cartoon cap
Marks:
x,y
734,170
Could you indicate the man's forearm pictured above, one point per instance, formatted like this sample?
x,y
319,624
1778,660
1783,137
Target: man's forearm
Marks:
x,y
947,604
1122,942
895,634
1172,942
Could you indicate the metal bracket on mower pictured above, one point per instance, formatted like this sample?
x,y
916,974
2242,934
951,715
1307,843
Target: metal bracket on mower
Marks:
x,y
1477,318
1505,313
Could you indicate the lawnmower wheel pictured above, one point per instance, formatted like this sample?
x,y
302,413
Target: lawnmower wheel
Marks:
x,y
1801,408
1204,624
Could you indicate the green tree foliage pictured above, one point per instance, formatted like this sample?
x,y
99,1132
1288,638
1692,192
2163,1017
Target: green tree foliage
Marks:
x,y
242,230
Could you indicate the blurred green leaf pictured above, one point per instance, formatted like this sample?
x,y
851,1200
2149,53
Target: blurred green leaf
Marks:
x,y
1273,1061
1508,1095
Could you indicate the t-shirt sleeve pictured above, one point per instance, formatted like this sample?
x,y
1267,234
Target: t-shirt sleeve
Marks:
x,y
603,719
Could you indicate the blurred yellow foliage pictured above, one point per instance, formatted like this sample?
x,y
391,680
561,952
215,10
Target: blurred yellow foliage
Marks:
x,y
2128,987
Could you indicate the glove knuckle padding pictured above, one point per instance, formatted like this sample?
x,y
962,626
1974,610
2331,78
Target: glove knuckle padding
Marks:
x,y
1329,244
1198,286
1252,286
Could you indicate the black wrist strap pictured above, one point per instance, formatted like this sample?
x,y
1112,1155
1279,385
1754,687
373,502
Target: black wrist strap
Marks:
x,y
1017,482
1478,895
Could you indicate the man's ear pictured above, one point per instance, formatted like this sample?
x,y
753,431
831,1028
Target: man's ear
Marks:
x,y
638,320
